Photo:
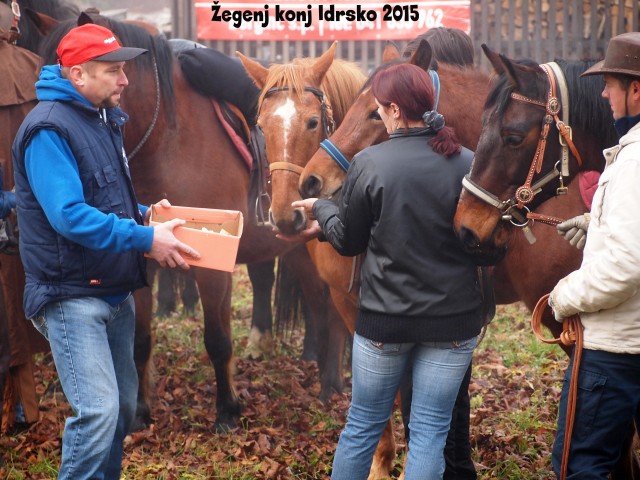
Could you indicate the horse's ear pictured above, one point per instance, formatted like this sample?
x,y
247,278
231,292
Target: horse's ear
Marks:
x,y
494,58
323,63
255,70
390,52
43,23
84,18
422,55
502,65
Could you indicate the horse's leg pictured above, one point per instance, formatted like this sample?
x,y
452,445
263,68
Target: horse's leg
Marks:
x,y
5,354
331,367
384,454
24,340
215,289
166,303
260,340
314,343
324,318
189,296
143,344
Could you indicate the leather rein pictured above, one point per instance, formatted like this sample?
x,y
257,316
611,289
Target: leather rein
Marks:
x,y
515,209
572,334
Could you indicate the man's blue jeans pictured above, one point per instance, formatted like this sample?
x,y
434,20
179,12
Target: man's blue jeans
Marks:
x,y
607,402
92,346
438,370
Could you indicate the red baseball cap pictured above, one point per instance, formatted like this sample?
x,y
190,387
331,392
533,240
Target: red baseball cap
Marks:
x,y
93,42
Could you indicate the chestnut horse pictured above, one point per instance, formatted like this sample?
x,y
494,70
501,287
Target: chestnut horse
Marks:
x,y
183,153
527,102
300,104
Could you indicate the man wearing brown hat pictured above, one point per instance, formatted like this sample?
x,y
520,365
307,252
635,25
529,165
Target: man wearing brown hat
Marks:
x,y
605,290
82,240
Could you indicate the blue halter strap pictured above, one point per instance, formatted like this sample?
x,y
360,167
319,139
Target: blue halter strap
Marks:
x,y
335,153
435,79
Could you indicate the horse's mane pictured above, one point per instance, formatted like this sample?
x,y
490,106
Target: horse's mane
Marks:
x,y
378,69
587,109
341,84
160,55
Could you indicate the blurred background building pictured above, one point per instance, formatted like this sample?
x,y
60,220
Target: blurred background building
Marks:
x,y
542,30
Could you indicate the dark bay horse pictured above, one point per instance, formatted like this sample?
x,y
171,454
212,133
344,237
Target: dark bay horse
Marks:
x,y
179,150
527,102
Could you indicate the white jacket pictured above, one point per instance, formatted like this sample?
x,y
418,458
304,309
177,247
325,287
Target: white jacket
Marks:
x,y
605,289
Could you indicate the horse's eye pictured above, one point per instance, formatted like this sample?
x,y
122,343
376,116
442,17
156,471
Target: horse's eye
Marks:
x,y
513,140
312,124
374,115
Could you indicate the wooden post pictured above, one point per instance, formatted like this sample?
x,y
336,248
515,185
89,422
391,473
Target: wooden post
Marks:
x,y
183,19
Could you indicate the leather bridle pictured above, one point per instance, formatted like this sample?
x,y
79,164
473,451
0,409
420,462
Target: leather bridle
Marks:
x,y
327,122
512,209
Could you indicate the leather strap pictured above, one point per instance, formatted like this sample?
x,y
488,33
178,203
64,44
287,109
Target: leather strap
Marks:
x,y
571,335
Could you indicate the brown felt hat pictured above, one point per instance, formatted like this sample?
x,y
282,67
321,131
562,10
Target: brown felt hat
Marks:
x,y
623,56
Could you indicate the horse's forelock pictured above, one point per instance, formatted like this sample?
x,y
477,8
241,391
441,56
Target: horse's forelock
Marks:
x,y
341,84
289,75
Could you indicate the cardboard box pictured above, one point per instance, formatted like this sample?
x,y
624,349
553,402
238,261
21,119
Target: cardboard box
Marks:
x,y
215,234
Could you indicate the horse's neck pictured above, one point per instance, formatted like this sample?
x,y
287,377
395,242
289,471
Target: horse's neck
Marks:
x,y
590,148
462,97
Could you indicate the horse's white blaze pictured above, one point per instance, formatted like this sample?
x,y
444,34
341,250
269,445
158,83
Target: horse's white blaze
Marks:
x,y
286,112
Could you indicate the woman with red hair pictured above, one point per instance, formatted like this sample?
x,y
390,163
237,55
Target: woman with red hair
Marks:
x,y
420,303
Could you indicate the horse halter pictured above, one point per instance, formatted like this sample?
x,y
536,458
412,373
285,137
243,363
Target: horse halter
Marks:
x,y
511,208
328,125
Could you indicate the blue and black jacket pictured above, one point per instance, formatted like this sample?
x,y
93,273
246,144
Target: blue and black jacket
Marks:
x,y
81,231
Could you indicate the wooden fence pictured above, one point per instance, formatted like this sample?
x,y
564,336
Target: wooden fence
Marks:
x,y
542,30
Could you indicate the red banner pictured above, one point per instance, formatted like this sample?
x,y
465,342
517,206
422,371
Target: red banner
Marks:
x,y
338,20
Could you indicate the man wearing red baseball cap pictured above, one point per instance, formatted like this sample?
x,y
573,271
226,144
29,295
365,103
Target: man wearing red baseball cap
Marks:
x,y
82,239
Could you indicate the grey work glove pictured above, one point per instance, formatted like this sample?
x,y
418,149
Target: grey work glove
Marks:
x,y
575,230
551,303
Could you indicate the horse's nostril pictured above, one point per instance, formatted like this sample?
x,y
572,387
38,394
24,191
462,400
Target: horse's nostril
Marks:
x,y
299,220
311,187
469,239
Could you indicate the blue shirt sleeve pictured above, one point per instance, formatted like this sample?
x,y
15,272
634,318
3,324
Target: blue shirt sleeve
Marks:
x,y
7,202
55,180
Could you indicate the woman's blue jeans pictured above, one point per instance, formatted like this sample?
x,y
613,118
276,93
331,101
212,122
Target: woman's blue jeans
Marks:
x,y
377,368
92,346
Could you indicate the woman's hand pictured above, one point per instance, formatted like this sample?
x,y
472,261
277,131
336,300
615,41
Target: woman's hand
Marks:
x,y
307,206
312,231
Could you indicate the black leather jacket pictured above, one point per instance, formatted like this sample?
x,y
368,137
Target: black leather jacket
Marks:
x,y
397,204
